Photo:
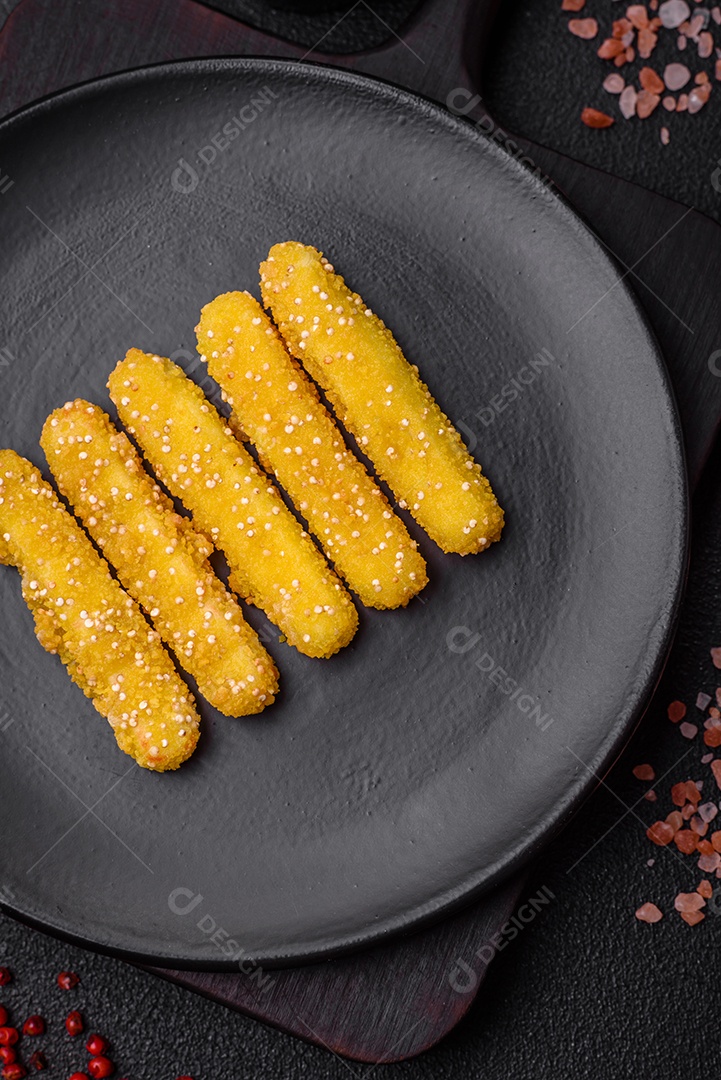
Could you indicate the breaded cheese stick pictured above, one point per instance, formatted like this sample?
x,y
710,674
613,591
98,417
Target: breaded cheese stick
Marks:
x,y
278,408
82,614
102,476
273,561
380,398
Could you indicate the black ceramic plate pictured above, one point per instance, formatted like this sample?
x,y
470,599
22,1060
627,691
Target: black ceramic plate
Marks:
x,y
441,748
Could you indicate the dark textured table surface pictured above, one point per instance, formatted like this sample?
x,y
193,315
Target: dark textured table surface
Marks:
x,y
584,989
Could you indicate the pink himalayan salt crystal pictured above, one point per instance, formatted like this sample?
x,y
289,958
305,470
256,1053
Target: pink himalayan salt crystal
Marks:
x,y
684,792
705,45
706,758
698,97
583,28
673,13
716,657
646,44
716,14
698,826
665,139
669,103
709,863
689,731
660,833
676,711
627,102
702,701
682,103
717,70
651,795
644,772
613,83
707,811
649,913
716,770
646,102
681,42
676,76
689,901
650,862
696,26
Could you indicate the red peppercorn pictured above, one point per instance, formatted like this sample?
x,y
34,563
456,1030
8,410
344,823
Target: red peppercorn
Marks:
x,y
9,1036
96,1044
34,1025
74,1023
79,1076
68,980
14,1072
37,1060
6,976
7,1055
100,1067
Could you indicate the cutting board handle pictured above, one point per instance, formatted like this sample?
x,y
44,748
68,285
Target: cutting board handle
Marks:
x,y
438,53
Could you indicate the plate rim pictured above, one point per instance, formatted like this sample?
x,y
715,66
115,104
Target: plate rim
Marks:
x,y
474,886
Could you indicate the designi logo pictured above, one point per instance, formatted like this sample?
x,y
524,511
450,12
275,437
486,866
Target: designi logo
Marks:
x,y
184,179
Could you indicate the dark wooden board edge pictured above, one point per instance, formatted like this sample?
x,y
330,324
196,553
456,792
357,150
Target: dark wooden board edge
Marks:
x,y
385,1004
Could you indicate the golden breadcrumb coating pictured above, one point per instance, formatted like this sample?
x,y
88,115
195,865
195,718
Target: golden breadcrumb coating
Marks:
x,y
277,406
380,399
135,524
82,614
273,561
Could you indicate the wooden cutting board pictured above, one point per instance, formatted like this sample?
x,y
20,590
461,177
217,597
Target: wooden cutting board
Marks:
x,y
397,999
